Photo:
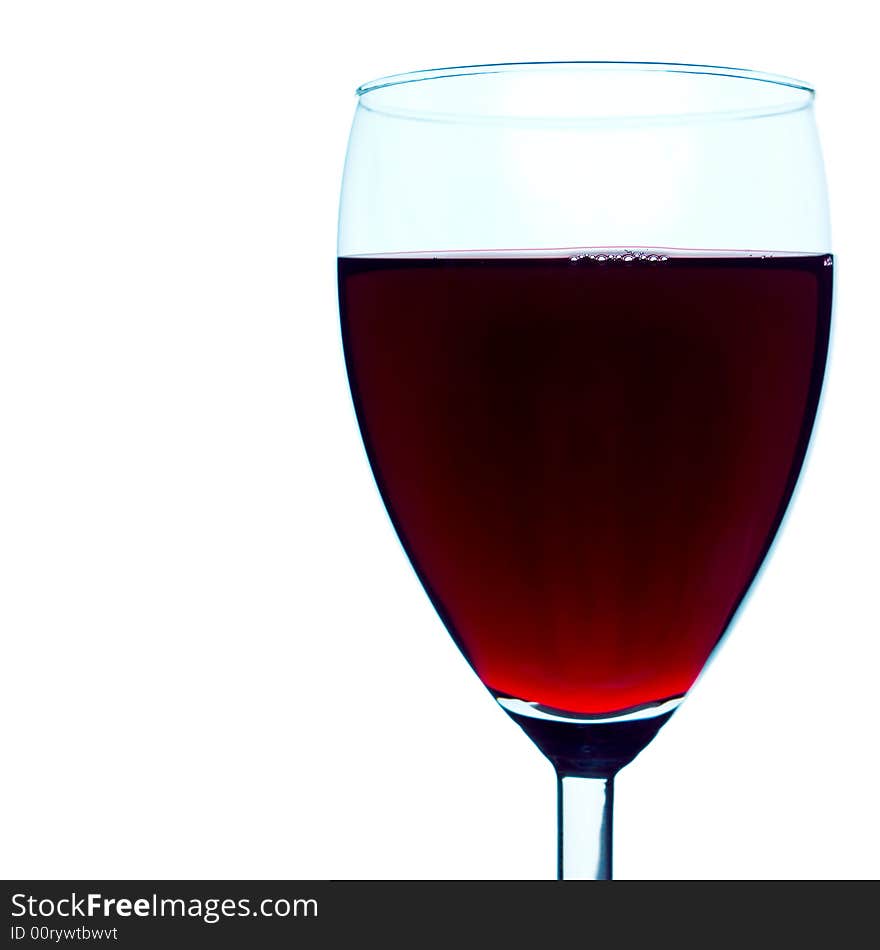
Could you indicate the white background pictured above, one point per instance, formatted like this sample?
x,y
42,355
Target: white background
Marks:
x,y
216,661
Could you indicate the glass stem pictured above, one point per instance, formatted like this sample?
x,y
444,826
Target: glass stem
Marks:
x,y
585,811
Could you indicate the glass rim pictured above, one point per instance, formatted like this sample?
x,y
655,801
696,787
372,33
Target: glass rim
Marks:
x,y
585,65
754,97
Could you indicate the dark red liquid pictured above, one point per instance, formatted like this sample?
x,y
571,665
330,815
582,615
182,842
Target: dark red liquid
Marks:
x,y
586,461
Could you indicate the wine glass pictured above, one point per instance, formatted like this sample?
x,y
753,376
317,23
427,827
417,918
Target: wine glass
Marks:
x,y
585,313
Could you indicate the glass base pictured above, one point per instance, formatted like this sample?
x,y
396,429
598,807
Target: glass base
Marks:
x,y
589,746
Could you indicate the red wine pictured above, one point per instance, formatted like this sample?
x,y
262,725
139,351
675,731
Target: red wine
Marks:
x,y
586,459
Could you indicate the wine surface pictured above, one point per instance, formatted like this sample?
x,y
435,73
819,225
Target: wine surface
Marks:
x,y
586,459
